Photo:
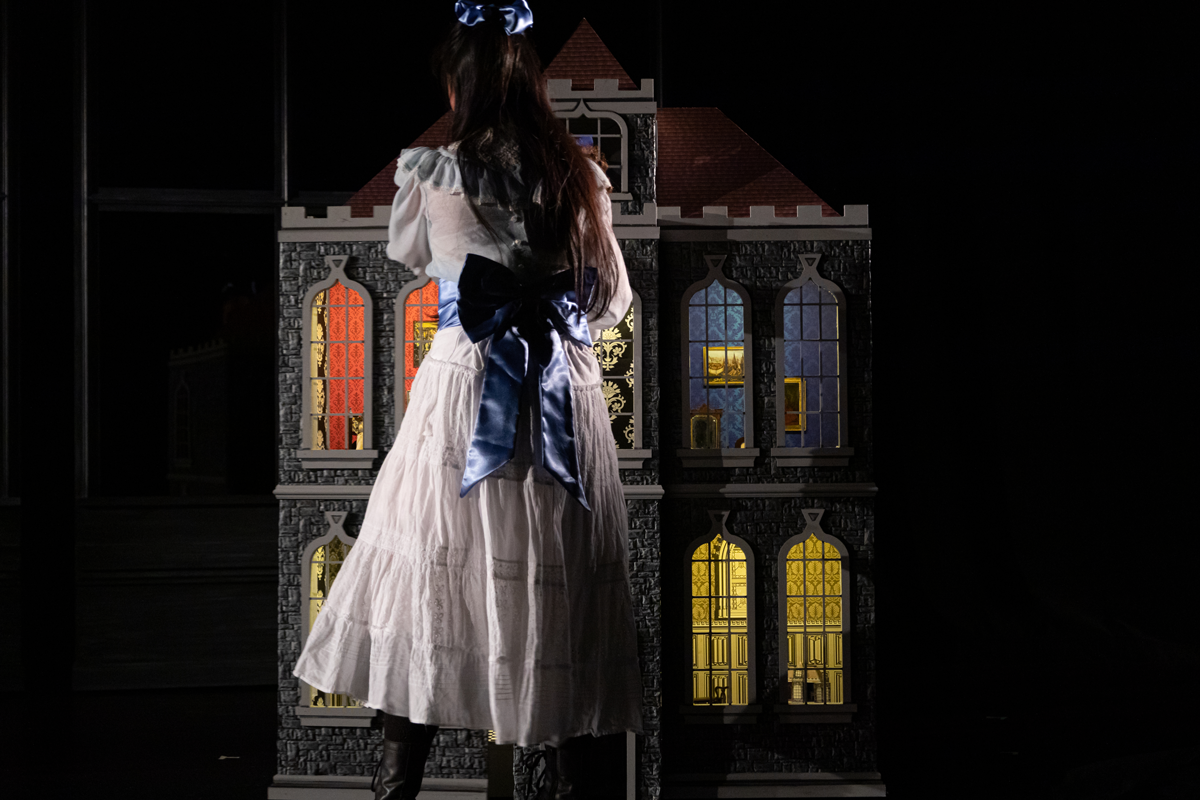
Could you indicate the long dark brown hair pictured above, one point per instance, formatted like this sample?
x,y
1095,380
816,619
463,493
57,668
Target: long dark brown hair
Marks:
x,y
502,109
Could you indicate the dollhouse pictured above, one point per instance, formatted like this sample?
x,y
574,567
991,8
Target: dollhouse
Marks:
x,y
739,391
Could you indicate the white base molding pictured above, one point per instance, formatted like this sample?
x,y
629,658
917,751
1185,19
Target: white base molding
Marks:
x,y
358,787
775,784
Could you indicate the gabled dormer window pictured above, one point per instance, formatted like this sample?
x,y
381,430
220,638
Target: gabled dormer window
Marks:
x,y
336,398
608,133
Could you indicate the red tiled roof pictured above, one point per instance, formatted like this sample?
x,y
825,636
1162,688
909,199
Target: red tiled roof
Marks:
x,y
381,189
584,58
704,159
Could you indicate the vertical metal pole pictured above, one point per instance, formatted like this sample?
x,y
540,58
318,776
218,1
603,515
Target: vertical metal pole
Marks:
x,y
658,83
6,299
281,101
81,256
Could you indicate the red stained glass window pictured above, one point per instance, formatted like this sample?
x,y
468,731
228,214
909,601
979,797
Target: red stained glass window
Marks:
x,y
420,324
336,369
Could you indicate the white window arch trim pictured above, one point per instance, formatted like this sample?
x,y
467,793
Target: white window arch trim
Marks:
x,y
583,111
336,459
309,716
812,456
844,711
741,714
407,289
726,456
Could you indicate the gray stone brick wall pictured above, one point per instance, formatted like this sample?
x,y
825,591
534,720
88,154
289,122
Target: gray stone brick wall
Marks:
x,y
763,268
643,160
770,746
310,750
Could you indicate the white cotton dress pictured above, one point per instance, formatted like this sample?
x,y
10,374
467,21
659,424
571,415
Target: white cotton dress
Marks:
x,y
508,609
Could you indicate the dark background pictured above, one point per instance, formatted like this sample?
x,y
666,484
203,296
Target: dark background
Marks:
x,y
1031,180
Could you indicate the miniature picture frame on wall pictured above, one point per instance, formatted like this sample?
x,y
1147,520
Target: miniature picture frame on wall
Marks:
x,y
793,404
724,366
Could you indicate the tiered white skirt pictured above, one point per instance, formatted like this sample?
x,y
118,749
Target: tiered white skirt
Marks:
x,y
508,609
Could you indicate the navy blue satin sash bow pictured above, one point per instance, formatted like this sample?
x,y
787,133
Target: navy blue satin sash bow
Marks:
x,y
517,17
527,323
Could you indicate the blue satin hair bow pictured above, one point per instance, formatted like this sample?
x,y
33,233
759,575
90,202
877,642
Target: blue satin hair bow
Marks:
x,y
527,323
517,17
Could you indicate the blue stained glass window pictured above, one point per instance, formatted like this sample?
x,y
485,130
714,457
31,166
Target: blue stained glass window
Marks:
x,y
829,395
812,430
791,322
736,398
696,361
810,355
791,359
829,430
829,358
716,354
812,323
716,323
812,397
696,324
829,322
736,321
732,427
810,351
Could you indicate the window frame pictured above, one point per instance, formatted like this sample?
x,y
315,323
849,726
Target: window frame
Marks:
x,y
416,284
844,711
731,714
725,456
812,456
583,111
635,457
336,459
307,714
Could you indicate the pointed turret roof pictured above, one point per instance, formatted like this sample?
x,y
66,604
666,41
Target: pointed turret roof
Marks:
x,y
584,58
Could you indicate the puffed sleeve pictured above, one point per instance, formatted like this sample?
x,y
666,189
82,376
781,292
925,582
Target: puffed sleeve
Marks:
x,y
408,230
599,319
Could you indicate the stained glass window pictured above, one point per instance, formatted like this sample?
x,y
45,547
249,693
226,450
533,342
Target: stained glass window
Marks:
x,y
812,370
717,368
420,324
720,643
326,563
813,620
604,134
615,350
336,364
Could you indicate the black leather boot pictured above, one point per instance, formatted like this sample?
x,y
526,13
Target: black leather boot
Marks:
x,y
399,772
571,779
549,786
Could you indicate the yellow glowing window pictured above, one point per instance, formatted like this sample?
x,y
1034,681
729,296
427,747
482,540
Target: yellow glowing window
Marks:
x,y
720,644
813,603
336,366
420,324
615,351
326,563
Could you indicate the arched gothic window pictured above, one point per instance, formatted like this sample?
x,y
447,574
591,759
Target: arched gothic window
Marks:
x,y
417,314
722,581
618,349
814,594
607,132
811,374
718,407
319,567
336,397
